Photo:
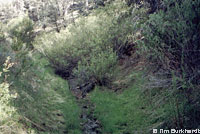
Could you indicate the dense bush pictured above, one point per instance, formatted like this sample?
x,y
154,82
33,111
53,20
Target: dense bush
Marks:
x,y
61,56
57,110
173,37
21,32
8,121
171,40
67,51
33,96
87,51
90,47
152,5
99,67
5,47
2,36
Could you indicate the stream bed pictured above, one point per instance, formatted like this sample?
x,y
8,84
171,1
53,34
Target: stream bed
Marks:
x,y
89,124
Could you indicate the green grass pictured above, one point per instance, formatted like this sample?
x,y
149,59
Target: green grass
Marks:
x,y
44,102
138,109
122,113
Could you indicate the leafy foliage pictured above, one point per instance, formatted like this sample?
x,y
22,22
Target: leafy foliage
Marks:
x,y
172,37
9,116
48,95
2,36
22,33
172,41
99,67
89,48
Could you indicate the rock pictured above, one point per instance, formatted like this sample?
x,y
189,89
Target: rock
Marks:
x,y
86,88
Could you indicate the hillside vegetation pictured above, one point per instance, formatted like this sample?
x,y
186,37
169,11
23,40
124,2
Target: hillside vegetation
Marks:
x,y
99,66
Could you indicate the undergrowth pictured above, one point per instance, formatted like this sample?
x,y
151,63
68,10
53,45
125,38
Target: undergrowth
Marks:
x,y
89,48
44,101
166,36
124,112
9,116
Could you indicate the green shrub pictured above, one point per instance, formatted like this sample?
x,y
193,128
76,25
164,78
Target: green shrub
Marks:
x,y
2,35
2,42
67,50
172,41
59,50
4,92
90,46
172,37
99,66
5,45
21,31
45,107
9,117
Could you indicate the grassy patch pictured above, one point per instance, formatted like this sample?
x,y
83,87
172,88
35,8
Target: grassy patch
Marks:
x,y
44,101
139,108
123,113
